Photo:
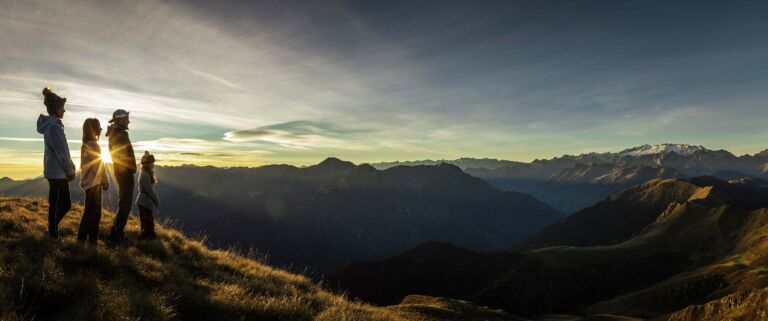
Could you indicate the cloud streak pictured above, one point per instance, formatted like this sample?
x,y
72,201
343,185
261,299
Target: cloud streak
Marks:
x,y
295,82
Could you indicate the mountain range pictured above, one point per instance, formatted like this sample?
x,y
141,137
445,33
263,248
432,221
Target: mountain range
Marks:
x,y
573,182
671,249
649,236
331,214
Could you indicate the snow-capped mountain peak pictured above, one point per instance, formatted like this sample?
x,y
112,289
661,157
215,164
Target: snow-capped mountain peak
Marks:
x,y
680,149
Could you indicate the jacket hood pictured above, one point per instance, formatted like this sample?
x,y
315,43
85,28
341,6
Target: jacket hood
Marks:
x,y
44,122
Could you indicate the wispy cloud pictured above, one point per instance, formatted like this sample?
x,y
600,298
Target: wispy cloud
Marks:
x,y
305,135
302,80
214,78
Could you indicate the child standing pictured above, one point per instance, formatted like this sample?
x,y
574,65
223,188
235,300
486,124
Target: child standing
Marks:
x,y
93,179
147,200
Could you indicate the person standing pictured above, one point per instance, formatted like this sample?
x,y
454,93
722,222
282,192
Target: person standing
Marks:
x,y
93,179
147,200
124,164
58,167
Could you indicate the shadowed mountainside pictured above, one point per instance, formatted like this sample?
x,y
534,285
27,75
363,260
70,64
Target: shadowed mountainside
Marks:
x,y
705,240
625,214
432,269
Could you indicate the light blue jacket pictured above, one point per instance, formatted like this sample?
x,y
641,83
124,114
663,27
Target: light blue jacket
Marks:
x,y
57,162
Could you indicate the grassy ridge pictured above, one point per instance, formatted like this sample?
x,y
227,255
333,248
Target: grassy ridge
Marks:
x,y
171,278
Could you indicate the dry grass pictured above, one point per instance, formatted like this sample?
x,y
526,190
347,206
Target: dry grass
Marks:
x,y
171,278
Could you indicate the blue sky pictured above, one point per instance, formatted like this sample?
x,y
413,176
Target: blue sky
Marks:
x,y
247,83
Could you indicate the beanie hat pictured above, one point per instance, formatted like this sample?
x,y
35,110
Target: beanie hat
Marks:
x,y
147,158
52,101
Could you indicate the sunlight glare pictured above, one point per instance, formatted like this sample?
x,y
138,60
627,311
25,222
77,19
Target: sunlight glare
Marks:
x,y
106,157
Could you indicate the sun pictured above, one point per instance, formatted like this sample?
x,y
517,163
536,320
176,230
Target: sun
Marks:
x,y
106,157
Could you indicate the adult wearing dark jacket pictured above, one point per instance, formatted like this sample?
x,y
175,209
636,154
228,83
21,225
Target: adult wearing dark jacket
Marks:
x,y
58,167
124,164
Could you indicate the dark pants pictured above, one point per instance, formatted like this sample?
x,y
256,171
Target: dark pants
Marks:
x,y
125,193
147,222
89,225
59,204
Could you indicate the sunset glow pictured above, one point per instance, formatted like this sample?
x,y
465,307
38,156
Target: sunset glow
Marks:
x,y
106,157
235,84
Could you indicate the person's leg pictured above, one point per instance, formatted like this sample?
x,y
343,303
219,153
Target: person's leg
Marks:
x,y
58,204
93,235
65,202
85,222
147,222
142,220
53,192
125,194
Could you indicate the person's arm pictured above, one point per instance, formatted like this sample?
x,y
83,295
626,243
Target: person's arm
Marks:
x,y
61,149
127,156
86,160
130,155
148,188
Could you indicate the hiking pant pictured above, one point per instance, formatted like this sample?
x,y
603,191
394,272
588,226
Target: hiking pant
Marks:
x,y
89,225
59,204
125,193
147,222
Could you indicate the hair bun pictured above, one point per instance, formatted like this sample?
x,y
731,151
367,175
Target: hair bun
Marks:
x,y
47,91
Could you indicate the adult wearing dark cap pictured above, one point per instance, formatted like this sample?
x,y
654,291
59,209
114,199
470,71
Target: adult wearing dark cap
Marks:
x,y
58,167
124,164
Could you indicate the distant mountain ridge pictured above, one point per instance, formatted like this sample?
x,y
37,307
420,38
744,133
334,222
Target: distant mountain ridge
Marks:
x,y
680,149
335,212
585,158
572,182
464,163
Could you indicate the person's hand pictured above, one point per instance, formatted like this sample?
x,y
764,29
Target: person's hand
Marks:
x,y
70,177
105,186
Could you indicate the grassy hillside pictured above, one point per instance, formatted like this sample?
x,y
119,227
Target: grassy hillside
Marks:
x,y
748,305
171,278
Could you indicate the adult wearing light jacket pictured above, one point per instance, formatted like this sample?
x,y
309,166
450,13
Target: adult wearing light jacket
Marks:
x,y
58,167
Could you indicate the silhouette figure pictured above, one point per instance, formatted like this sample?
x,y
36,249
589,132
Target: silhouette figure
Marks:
x,y
147,200
93,179
124,163
58,167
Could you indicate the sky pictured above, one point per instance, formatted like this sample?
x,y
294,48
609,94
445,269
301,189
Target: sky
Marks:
x,y
248,83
